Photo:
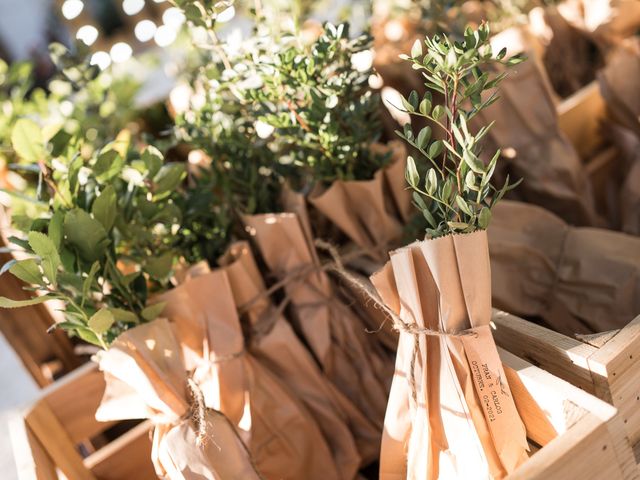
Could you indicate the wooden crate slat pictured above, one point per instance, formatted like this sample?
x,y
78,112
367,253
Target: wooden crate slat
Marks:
x,y
579,117
31,458
50,432
610,372
557,353
129,456
590,441
77,412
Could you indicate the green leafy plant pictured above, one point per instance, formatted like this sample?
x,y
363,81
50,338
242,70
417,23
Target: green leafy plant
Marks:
x,y
111,229
319,104
455,195
274,107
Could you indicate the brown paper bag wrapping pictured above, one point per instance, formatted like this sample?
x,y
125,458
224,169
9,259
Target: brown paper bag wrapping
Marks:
x,y
370,212
565,41
354,440
283,439
146,378
619,83
331,330
579,280
612,20
534,148
462,422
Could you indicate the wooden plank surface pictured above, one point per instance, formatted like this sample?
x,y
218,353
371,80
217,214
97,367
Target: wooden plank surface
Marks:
x,y
127,457
590,441
51,434
558,354
579,117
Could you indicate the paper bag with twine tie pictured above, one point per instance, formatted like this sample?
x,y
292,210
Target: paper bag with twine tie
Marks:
x,y
146,378
450,412
334,333
284,440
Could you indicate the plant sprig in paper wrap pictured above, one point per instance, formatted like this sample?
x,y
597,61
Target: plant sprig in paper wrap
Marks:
x,y
450,413
109,230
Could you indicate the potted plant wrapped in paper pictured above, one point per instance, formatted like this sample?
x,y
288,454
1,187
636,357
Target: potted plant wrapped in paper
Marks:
x,y
324,120
450,412
250,157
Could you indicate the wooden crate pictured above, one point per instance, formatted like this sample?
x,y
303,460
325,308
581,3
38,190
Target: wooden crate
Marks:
x,y
604,365
579,435
59,434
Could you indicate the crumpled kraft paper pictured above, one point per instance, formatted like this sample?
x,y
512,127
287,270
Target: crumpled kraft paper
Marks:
x,y
462,422
146,378
579,280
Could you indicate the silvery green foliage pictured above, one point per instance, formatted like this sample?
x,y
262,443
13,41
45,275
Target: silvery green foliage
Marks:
x,y
455,195
277,106
319,103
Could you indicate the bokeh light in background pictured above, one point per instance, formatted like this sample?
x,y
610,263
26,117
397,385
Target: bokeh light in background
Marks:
x,y
164,36
145,30
173,18
88,34
72,8
102,59
121,52
131,7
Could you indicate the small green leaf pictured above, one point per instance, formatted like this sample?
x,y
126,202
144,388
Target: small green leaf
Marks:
x,y
168,179
435,149
438,111
159,267
86,234
153,160
55,228
151,312
416,49
484,217
86,284
104,207
101,321
462,204
88,336
470,180
123,316
469,38
432,181
44,247
425,106
413,99
474,162
429,217
108,164
423,137
516,59
27,140
411,173
407,106
28,271
458,225
8,303
419,201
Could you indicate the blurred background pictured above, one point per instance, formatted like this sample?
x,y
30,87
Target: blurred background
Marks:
x,y
565,247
